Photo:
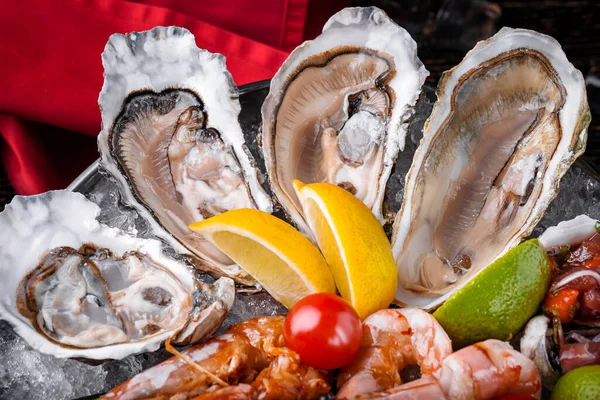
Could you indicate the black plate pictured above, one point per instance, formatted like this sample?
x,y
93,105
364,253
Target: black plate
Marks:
x,y
25,373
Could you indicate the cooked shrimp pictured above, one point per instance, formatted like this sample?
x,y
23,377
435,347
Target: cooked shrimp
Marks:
x,y
248,361
392,340
284,378
482,371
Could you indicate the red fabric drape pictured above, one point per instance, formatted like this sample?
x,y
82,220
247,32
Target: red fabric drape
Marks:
x,y
51,70
277,23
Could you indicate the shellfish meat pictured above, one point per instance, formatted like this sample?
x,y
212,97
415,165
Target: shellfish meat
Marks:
x,y
509,121
72,287
172,140
338,107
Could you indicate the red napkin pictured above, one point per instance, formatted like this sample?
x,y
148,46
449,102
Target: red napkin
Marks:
x,y
51,70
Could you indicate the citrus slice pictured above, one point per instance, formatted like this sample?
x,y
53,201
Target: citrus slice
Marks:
x,y
582,383
353,243
497,303
279,257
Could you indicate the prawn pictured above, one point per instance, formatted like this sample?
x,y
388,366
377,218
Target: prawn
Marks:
x,y
248,361
481,371
392,340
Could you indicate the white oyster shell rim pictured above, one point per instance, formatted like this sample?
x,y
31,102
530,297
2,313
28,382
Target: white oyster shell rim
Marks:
x,y
571,115
64,218
533,346
571,232
167,58
367,27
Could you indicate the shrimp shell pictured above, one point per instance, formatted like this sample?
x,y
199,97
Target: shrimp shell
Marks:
x,y
250,357
482,371
393,339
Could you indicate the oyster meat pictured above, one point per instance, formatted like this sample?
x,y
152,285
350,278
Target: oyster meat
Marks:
x,y
509,121
72,287
338,106
172,140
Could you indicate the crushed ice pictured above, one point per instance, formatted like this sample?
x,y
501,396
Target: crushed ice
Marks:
x,y
25,373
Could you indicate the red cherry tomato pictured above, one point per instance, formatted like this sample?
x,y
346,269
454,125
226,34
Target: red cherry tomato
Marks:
x,y
515,396
324,330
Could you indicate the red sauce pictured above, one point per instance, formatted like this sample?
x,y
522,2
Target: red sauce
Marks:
x,y
578,260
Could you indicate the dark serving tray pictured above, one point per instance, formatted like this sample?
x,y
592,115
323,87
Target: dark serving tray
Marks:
x,y
28,374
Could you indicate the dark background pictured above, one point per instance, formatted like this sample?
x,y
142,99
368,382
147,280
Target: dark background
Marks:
x,y
446,29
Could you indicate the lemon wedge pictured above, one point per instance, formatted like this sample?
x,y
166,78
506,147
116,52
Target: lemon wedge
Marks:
x,y
353,243
279,257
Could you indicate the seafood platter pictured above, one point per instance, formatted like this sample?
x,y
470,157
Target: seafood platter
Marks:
x,y
341,231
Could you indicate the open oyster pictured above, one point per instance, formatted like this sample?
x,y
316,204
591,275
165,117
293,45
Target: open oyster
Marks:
x,y
172,140
72,287
337,108
509,121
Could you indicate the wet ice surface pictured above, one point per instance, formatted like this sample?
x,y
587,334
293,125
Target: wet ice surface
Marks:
x,y
579,194
394,190
27,374
248,305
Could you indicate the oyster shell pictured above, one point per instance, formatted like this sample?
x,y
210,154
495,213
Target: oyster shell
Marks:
x,y
337,108
509,121
172,140
570,233
72,287
536,344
